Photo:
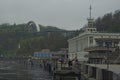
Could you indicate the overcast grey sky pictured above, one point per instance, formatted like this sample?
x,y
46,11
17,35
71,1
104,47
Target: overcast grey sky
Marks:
x,y
65,14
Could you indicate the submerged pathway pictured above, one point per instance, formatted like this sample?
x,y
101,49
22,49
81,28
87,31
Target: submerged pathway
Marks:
x,y
10,70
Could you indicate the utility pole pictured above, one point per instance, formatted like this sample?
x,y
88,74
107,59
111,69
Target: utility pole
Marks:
x,y
108,47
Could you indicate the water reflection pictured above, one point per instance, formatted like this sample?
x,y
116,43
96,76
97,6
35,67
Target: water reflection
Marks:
x,y
13,71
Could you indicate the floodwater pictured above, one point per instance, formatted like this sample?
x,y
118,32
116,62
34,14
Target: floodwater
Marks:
x,y
14,71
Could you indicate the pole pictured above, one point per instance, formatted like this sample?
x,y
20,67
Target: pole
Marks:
x,y
107,57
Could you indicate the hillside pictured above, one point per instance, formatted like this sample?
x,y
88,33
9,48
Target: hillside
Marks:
x,y
6,27
13,35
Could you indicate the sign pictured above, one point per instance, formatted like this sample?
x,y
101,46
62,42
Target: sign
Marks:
x,y
42,55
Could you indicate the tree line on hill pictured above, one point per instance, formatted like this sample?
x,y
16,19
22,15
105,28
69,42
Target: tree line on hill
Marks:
x,y
110,22
11,36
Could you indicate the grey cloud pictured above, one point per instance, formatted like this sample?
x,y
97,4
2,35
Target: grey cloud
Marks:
x,y
67,14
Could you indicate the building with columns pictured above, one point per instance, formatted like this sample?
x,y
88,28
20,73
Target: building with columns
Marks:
x,y
93,46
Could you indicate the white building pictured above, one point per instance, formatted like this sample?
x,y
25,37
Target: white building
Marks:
x,y
92,42
88,42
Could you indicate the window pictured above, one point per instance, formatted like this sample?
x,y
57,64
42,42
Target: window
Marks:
x,y
91,40
100,43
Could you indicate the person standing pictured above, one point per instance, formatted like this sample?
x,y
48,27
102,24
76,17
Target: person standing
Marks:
x,y
30,61
75,68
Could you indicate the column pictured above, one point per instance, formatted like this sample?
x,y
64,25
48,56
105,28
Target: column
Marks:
x,y
89,71
99,74
88,42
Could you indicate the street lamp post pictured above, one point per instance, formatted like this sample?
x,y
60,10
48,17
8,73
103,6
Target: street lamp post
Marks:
x,y
108,46
107,58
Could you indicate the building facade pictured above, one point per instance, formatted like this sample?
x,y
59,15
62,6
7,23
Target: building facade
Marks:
x,y
94,43
93,46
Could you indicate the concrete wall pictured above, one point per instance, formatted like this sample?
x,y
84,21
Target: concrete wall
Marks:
x,y
97,73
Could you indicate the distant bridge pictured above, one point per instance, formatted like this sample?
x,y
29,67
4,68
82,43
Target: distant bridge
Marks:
x,y
33,27
65,33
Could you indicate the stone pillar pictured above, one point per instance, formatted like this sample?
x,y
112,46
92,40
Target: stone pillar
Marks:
x,y
89,71
99,74
88,42
94,43
59,66
83,67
